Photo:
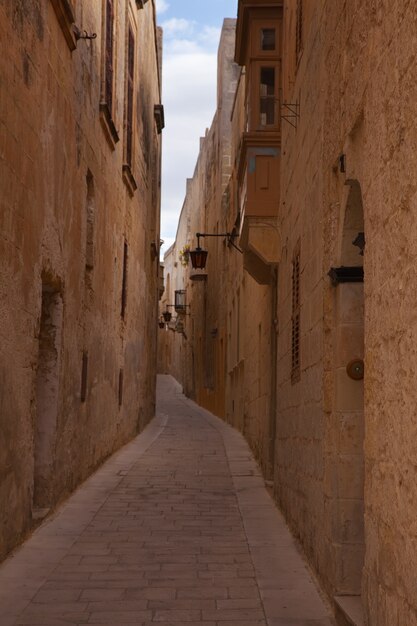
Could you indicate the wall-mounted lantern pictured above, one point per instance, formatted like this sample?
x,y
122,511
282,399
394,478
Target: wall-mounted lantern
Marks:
x,y
167,316
199,256
180,301
161,323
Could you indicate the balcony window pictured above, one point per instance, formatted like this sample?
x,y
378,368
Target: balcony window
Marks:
x,y
268,39
267,96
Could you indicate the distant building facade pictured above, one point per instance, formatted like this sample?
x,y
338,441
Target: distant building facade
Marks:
x,y
308,335
80,123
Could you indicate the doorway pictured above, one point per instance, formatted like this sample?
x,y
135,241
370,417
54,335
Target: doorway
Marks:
x,y
47,397
348,485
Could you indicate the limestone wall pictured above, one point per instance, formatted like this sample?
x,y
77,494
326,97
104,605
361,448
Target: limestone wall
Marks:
x,y
345,447
76,376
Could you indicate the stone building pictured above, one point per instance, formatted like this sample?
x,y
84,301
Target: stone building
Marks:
x,y
80,123
197,356
311,321
345,445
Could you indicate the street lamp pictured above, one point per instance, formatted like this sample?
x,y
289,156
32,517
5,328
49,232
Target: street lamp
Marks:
x,y
199,256
167,316
180,298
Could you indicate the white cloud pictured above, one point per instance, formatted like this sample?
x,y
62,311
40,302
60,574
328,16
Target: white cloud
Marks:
x,y
189,97
161,6
211,36
177,26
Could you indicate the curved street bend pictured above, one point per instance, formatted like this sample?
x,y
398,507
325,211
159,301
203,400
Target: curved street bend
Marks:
x,y
176,528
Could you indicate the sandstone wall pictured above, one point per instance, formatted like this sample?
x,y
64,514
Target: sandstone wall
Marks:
x,y
76,377
345,447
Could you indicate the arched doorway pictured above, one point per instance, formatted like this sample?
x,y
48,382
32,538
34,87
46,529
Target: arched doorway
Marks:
x,y
348,408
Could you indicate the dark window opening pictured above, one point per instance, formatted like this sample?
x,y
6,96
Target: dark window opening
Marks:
x,y
120,387
267,96
109,55
84,377
129,103
124,280
268,39
89,253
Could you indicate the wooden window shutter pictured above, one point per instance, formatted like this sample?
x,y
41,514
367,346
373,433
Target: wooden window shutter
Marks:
x,y
109,55
299,30
130,91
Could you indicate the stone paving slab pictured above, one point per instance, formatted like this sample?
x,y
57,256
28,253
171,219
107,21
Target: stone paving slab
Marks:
x,y
176,528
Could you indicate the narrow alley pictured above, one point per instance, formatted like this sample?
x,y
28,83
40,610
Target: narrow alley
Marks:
x,y
177,527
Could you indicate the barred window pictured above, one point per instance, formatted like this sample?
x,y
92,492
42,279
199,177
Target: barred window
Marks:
x,y
295,335
267,96
299,30
129,97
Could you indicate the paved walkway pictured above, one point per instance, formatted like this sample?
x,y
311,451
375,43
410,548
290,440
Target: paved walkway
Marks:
x,y
176,528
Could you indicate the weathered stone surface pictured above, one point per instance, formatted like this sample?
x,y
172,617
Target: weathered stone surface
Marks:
x,y
188,469
65,215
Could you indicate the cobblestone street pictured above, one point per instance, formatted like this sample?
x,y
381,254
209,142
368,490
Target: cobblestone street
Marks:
x,y
176,528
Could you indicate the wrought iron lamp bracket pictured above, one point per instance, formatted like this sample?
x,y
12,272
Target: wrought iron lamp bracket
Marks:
x,y
83,34
229,236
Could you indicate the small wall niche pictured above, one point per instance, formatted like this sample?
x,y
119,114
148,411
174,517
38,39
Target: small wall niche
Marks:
x,y
47,394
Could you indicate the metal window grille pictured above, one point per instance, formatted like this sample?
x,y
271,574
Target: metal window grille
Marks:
x,y
129,104
295,335
109,55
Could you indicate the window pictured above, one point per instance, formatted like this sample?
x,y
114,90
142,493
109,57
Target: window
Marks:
x,y
295,335
299,30
129,97
107,99
128,164
120,394
267,96
89,247
108,74
268,39
84,377
124,280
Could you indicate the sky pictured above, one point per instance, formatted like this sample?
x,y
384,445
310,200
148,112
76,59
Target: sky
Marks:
x,y
191,38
